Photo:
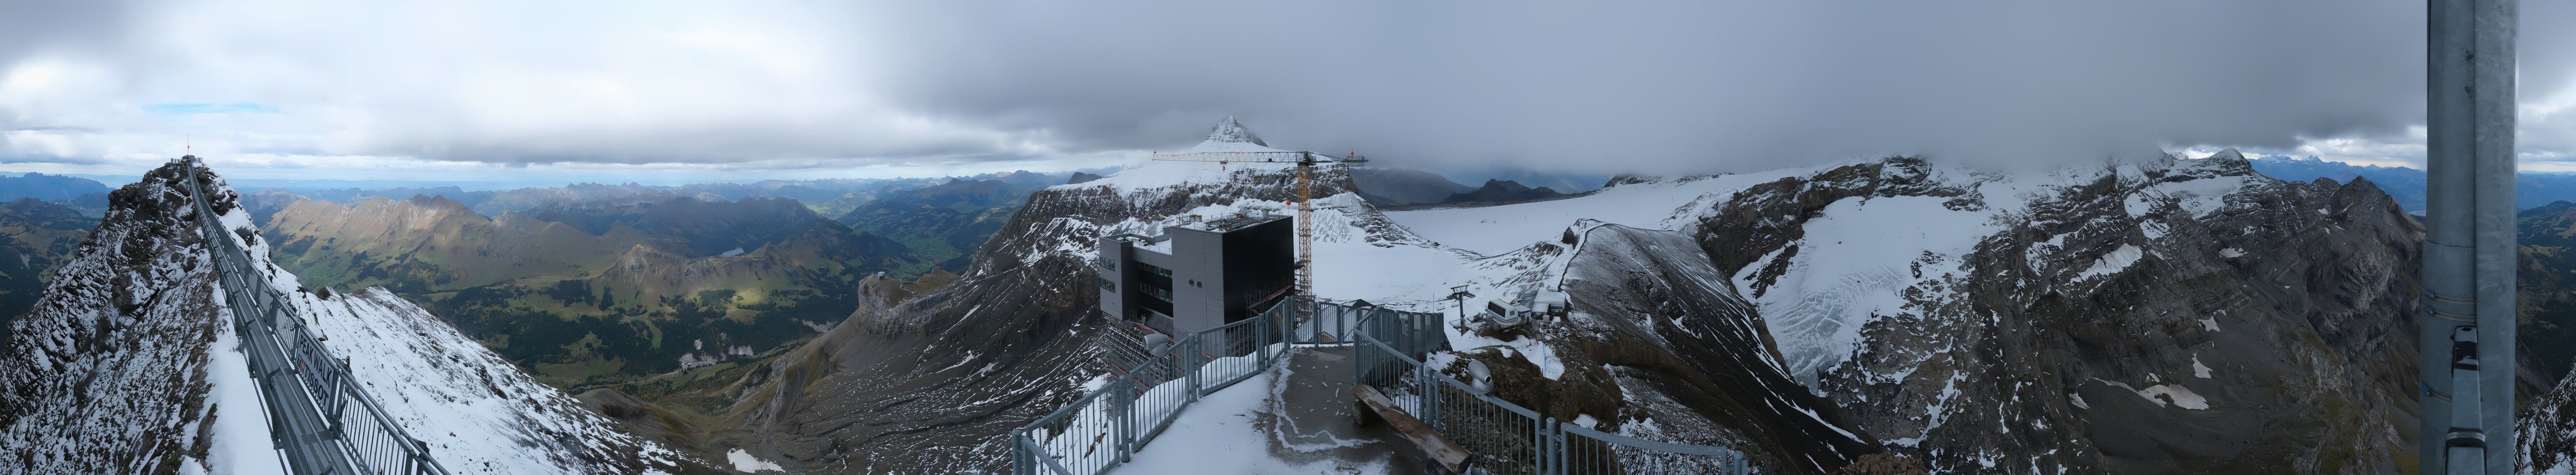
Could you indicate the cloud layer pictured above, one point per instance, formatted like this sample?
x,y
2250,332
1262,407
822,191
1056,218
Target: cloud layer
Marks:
x,y
783,86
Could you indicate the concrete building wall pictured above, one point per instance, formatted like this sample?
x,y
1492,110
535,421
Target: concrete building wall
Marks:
x,y
1198,278
1112,268
1260,260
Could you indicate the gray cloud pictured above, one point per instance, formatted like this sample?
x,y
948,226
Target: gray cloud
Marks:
x,y
1645,86
1696,84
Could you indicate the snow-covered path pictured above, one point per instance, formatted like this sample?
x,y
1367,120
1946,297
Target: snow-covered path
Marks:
x,y
1236,431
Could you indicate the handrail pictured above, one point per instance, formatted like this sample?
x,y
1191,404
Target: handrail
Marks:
x,y
307,412
1112,417
1553,447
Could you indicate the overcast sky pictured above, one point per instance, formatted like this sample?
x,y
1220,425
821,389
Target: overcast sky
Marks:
x,y
607,91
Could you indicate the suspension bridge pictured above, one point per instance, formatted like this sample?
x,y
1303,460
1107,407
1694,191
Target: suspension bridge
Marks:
x,y
319,422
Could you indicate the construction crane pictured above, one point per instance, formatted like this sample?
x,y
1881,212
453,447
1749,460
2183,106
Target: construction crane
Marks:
x,y
1306,162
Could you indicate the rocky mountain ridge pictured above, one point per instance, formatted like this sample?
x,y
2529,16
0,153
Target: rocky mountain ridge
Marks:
x,y
128,364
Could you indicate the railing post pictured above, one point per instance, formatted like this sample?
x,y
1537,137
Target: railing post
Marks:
x,y
1125,425
1430,399
1185,360
1548,451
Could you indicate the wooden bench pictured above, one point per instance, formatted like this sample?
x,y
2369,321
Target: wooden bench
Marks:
x,y
1435,446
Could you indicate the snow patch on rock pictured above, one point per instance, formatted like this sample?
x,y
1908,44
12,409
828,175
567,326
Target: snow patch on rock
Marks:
x,y
744,461
2112,262
2166,394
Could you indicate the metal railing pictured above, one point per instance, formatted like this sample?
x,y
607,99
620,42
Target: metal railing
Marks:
x,y
1100,430
1505,438
319,422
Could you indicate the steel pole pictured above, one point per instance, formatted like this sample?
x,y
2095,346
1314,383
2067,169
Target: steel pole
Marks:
x,y
2467,330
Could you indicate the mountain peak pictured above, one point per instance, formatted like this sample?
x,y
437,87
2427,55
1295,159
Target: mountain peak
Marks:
x,y
1232,131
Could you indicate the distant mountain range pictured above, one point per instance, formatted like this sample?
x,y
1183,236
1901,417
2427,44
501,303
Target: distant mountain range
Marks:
x,y
1405,186
2531,190
1502,191
48,187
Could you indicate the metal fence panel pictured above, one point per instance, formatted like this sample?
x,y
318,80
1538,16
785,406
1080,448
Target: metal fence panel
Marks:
x,y
1589,451
1500,437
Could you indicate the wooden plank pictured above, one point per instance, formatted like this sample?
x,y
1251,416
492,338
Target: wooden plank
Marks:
x,y
1439,448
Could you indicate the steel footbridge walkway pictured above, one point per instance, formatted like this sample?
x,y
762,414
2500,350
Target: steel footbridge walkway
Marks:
x,y
319,422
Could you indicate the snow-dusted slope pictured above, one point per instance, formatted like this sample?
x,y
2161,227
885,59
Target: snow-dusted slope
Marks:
x,y
129,365
2130,316
476,411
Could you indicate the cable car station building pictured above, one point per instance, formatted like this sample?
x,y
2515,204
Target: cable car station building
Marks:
x,y
1200,274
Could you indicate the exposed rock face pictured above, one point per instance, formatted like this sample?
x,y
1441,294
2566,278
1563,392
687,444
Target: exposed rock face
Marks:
x,y
2150,316
1675,328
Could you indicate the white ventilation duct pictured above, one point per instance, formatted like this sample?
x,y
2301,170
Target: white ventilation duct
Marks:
x,y
1479,378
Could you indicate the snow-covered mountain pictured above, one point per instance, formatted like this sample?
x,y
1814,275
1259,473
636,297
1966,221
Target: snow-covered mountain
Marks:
x,y
129,364
2134,316
932,383
1230,133
2151,315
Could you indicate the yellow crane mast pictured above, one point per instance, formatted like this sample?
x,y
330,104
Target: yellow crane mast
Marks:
x,y
1306,162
